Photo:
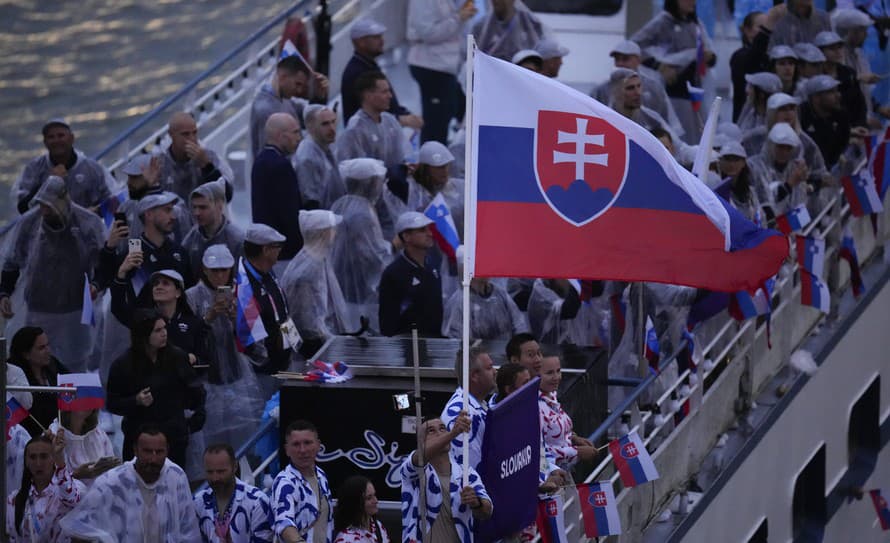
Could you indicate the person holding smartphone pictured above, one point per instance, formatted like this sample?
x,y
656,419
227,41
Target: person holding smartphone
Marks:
x,y
234,402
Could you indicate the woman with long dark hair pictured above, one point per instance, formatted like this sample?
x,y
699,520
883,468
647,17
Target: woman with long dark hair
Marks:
x,y
355,517
30,350
167,296
739,185
48,492
153,382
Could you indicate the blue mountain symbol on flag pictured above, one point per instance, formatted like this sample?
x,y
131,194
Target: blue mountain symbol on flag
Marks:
x,y
579,201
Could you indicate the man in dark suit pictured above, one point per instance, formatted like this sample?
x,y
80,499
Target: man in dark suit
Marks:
x,y
274,190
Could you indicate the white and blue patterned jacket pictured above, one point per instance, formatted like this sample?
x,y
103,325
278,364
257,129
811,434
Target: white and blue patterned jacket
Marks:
x,y
296,505
463,516
477,412
251,520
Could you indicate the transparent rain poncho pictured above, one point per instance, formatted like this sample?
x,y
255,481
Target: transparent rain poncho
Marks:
x,y
360,252
311,287
52,260
493,314
234,403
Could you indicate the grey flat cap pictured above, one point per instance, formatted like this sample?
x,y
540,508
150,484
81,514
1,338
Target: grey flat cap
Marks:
x,y
808,52
550,48
155,200
365,27
411,220
783,134
217,257
766,81
782,51
435,154
261,234
780,99
821,83
845,19
826,38
626,47
137,164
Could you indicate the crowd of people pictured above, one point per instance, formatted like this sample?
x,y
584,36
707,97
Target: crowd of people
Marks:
x,y
187,316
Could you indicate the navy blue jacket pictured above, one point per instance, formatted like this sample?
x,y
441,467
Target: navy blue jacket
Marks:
x,y
275,197
356,66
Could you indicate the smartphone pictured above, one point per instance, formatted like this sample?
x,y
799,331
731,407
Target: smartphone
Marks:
x,y
224,292
122,217
400,402
134,245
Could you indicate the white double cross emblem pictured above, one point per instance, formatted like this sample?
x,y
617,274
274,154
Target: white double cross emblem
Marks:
x,y
580,138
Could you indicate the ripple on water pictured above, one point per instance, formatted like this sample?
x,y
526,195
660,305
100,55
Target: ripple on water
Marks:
x,y
103,63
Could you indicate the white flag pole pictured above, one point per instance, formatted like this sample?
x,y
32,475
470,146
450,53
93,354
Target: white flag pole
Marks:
x,y
469,244
703,153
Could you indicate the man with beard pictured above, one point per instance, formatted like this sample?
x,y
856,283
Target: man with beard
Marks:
x,y
230,510
157,249
145,499
320,181
87,181
54,247
143,178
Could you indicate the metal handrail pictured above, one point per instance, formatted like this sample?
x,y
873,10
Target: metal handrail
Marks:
x,y
203,76
270,424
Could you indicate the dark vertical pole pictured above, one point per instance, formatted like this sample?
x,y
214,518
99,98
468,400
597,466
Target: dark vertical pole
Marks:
x,y
323,40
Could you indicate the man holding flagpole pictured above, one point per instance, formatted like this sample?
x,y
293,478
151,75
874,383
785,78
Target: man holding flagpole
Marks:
x,y
452,505
480,385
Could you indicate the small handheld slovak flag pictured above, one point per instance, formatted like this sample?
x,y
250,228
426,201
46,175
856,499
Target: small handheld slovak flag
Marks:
x,y
15,413
599,509
881,507
87,392
814,292
444,231
861,194
696,96
848,253
550,520
811,255
653,348
794,220
249,327
632,460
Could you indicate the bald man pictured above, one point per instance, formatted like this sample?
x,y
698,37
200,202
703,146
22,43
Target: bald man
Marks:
x,y
187,164
274,190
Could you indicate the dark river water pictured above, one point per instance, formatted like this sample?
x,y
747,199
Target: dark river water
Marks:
x,y
101,64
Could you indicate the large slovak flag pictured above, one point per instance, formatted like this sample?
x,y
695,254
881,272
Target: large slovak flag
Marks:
x,y
550,521
592,194
249,327
599,509
861,194
632,460
88,392
445,232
